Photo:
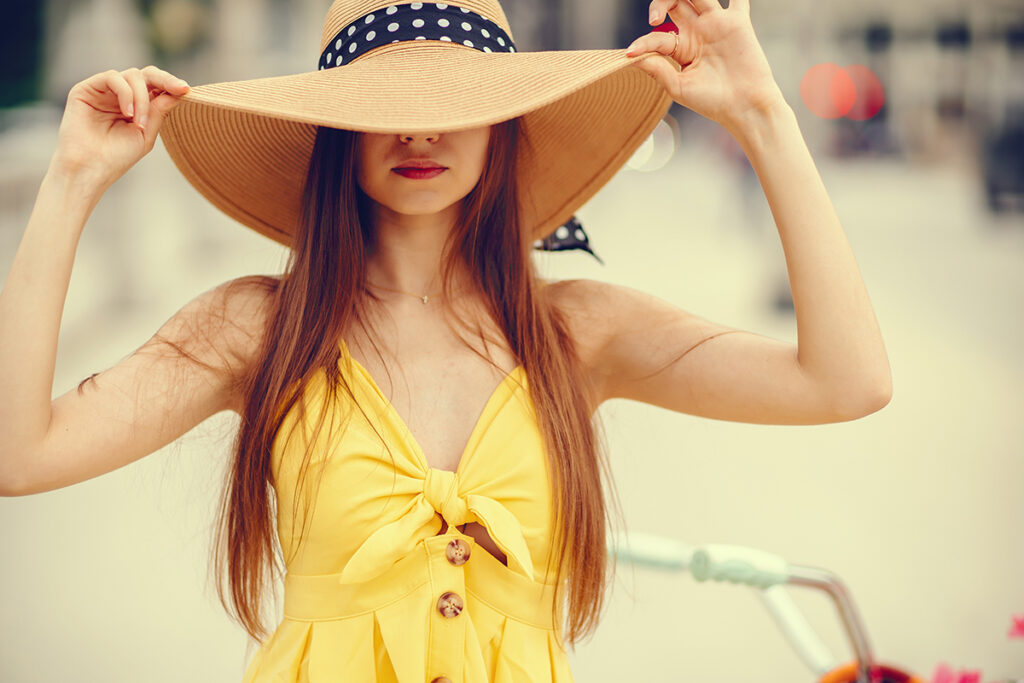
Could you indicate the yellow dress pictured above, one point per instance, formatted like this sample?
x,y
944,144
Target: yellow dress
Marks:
x,y
371,592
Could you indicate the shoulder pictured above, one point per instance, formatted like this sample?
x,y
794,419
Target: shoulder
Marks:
x,y
246,306
236,307
619,331
224,326
600,308
591,310
608,310
581,302
245,300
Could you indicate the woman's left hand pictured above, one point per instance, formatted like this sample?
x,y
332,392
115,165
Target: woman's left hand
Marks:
x,y
725,75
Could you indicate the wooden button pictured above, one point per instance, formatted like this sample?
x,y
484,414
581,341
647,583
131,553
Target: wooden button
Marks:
x,y
449,605
457,552
441,679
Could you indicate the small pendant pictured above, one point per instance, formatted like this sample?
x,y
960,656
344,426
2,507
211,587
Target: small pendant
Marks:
x,y
425,299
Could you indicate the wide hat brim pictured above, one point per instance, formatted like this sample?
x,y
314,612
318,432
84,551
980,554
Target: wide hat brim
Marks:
x,y
246,145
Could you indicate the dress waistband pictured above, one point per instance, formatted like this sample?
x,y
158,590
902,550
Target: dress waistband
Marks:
x,y
323,597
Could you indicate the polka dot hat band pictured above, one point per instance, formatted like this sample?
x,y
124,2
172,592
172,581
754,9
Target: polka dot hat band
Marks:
x,y
415,21
416,68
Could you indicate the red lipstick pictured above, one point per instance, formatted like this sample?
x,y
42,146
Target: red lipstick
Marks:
x,y
419,173
419,169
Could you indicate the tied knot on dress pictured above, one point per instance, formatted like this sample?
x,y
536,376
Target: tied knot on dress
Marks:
x,y
441,489
439,493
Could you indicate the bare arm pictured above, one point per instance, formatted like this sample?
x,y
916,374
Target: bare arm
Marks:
x,y
650,351
31,307
147,399
639,347
130,410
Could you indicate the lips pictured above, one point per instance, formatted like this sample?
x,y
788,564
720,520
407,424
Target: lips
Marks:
x,y
419,163
420,168
419,173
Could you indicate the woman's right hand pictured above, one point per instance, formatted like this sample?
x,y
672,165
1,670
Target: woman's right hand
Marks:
x,y
111,121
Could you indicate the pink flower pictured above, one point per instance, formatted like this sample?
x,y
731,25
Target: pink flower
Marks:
x,y
1017,630
943,674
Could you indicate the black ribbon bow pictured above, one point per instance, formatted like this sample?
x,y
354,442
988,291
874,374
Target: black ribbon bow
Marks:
x,y
567,237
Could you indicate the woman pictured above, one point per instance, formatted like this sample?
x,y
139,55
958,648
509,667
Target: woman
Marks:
x,y
416,404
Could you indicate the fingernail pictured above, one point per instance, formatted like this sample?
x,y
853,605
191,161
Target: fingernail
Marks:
x,y
182,82
653,17
142,121
131,109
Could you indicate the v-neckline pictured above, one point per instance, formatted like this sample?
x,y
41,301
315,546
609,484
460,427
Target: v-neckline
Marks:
x,y
410,437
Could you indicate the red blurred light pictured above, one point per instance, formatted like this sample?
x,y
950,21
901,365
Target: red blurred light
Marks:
x,y
828,91
870,93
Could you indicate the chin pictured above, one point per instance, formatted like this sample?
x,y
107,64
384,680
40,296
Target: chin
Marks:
x,y
420,210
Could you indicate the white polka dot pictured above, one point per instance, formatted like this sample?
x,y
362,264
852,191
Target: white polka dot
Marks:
x,y
486,49
537,244
443,22
337,44
580,235
501,41
511,49
466,26
446,39
391,10
393,26
441,5
329,58
418,23
485,33
395,40
371,35
368,19
562,232
420,38
352,47
417,5
468,42
321,67
464,10
351,30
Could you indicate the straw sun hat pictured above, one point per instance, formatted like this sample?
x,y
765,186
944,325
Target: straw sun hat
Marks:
x,y
416,67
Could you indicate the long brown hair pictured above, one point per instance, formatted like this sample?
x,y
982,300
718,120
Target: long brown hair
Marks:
x,y
320,295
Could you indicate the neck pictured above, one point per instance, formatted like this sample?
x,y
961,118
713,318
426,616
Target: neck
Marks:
x,y
409,250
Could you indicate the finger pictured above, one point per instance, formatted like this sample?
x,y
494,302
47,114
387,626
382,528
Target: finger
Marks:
x,y
158,110
665,72
141,94
657,41
679,10
662,42
162,80
705,6
111,81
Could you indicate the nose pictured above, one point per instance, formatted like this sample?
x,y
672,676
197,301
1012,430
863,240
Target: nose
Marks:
x,y
413,137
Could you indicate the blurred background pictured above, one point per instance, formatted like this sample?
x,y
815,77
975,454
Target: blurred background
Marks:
x,y
914,113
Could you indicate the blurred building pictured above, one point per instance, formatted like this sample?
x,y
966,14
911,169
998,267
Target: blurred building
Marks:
x,y
953,73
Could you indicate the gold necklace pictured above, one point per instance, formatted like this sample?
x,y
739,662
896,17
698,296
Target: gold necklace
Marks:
x,y
425,298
